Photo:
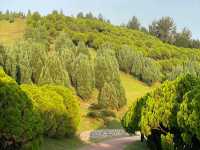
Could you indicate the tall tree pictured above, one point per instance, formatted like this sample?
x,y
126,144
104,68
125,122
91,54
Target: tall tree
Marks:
x,y
134,23
80,15
107,76
107,97
183,39
53,71
83,76
89,15
164,29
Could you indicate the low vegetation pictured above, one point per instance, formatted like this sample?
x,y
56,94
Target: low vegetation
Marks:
x,y
35,112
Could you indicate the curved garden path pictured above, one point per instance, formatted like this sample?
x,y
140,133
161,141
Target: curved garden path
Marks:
x,y
113,144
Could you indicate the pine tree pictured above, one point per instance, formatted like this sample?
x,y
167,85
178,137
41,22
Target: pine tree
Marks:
x,y
107,68
38,56
125,58
107,76
45,76
82,49
107,97
63,42
83,76
54,72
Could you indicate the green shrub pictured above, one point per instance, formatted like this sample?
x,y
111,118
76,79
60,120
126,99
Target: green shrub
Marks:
x,y
167,142
108,113
94,114
20,125
58,108
101,114
168,116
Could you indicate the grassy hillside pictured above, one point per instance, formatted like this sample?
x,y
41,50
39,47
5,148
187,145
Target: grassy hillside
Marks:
x,y
9,32
134,88
98,33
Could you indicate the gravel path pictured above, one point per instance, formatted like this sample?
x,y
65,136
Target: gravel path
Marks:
x,y
112,144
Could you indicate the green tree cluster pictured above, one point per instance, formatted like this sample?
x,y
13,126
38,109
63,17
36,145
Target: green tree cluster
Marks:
x,y
111,92
168,116
83,77
96,33
20,125
58,108
133,62
29,112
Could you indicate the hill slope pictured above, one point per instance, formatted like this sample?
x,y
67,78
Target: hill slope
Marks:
x,y
9,32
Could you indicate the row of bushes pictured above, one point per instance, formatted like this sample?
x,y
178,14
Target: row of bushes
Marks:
x,y
28,112
148,63
66,64
169,116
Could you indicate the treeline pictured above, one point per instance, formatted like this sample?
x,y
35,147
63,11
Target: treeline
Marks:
x,y
169,116
11,15
68,65
137,53
29,112
165,30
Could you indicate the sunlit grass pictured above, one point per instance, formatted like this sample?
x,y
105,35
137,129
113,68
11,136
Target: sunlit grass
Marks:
x,y
62,144
9,32
134,88
137,145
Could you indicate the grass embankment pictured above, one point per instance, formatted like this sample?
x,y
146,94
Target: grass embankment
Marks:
x,y
62,144
136,146
9,32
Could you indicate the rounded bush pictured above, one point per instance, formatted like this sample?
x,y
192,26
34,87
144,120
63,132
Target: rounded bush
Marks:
x,y
58,108
20,125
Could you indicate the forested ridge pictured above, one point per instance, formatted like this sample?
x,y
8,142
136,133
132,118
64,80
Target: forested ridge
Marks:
x,y
60,57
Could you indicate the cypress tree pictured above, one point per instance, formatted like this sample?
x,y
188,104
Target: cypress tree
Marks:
x,y
54,72
107,68
83,76
125,58
37,60
108,81
108,96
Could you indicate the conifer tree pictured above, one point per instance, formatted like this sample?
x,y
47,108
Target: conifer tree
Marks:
x,y
83,76
108,96
107,76
54,72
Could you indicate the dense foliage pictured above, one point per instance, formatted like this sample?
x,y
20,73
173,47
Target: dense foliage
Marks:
x,y
83,76
11,16
108,81
20,125
165,30
30,111
168,116
95,33
58,108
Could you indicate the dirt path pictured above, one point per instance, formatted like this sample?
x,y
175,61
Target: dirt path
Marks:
x,y
113,144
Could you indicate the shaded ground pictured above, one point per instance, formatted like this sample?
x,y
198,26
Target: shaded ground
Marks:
x,y
114,144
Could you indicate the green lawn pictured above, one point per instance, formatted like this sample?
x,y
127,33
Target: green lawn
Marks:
x,y
136,146
134,88
9,32
62,144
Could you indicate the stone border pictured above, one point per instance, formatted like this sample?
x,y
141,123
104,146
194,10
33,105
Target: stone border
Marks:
x,y
102,133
